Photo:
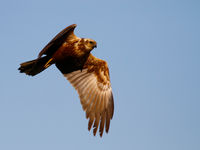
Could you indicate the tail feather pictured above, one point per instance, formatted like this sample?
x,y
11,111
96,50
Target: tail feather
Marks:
x,y
33,67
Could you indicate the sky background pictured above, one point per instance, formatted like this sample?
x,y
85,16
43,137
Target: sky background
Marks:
x,y
153,51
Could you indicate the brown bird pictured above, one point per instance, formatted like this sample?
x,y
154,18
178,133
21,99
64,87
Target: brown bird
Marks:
x,y
89,75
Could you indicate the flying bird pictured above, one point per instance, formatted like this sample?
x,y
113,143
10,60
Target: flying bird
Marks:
x,y
87,74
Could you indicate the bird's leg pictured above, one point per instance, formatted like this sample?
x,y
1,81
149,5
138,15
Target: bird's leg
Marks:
x,y
48,63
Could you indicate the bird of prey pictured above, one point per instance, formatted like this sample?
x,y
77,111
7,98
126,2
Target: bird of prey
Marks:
x,y
87,74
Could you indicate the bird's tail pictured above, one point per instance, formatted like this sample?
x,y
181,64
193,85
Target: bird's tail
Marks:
x,y
36,66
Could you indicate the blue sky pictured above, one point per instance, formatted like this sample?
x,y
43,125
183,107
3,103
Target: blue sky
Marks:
x,y
152,48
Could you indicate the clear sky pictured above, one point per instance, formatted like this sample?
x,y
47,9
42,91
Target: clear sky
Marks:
x,y
153,51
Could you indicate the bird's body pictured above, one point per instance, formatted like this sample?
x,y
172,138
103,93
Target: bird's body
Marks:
x,y
69,58
88,74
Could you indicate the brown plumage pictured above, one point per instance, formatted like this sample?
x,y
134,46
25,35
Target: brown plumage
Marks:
x,y
88,74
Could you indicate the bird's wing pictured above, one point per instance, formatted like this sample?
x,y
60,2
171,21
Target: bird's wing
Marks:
x,y
95,92
58,40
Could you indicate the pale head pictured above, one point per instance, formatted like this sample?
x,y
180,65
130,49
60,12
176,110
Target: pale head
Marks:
x,y
90,44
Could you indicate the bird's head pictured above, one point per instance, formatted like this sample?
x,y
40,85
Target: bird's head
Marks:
x,y
90,44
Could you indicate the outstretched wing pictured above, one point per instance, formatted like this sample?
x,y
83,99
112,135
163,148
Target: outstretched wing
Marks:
x,y
95,92
58,40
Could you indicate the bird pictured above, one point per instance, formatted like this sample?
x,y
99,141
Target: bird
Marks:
x,y
88,74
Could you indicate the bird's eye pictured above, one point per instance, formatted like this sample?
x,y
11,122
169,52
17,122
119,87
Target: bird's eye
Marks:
x,y
91,42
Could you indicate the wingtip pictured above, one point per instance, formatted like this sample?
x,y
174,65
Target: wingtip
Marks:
x,y
101,134
94,131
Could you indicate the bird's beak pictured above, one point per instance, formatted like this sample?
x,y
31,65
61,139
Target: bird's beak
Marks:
x,y
95,46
